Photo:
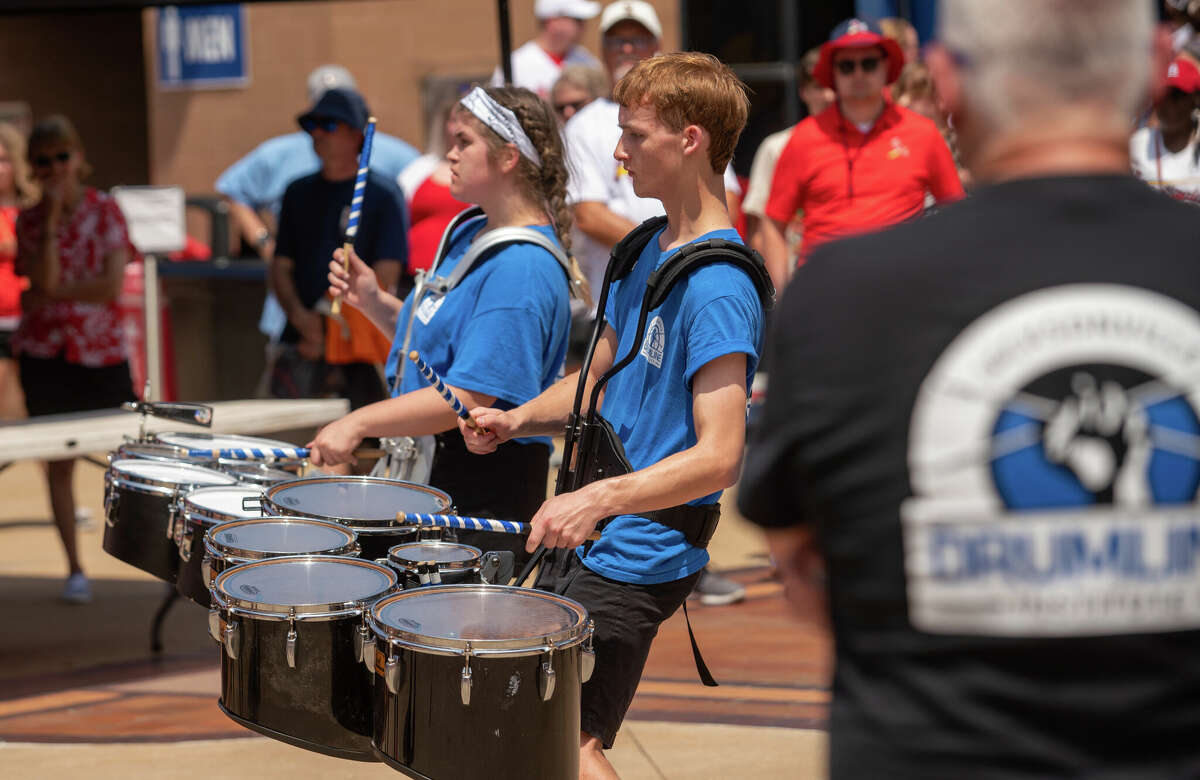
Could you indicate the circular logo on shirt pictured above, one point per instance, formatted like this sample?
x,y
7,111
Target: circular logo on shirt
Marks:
x,y
1054,455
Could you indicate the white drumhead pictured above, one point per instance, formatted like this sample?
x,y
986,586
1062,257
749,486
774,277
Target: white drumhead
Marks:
x,y
216,441
174,473
224,500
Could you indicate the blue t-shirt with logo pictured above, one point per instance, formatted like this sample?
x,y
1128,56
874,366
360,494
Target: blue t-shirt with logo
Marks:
x,y
502,331
715,311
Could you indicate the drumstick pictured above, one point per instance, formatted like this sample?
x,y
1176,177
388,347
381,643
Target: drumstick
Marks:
x,y
446,393
275,453
471,523
356,201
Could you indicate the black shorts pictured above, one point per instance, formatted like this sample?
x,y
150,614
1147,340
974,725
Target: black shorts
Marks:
x,y
54,386
627,618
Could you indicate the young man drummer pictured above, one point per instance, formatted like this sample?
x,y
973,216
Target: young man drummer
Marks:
x,y
679,407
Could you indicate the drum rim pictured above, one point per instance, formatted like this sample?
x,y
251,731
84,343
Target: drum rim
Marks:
x,y
227,552
324,610
200,514
529,645
126,479
176,454
210,435
412,566
358,524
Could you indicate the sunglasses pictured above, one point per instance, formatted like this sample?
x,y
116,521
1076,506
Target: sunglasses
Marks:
x,y
45,160
561,108
868,65
309,124
635,41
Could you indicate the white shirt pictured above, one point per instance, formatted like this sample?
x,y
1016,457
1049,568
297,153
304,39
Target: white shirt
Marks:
x,y
1176,173
534,69
591,137
762,172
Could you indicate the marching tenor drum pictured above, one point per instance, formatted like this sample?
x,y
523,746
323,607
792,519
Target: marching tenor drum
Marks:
x,y
479,681
200,510
230,448
164,453
366,504
435,563
245,541
141,499
252,473
293,635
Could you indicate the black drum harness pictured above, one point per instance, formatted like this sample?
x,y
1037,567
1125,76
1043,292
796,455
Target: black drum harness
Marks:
x,y
592,449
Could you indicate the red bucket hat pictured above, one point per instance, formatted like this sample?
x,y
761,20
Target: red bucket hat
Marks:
x,y
853,34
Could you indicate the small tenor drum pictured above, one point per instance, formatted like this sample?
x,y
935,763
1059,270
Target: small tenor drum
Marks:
x,y
230,448
200,510
245,541
435,563
479,681
141,500
252,473
366,504
293,634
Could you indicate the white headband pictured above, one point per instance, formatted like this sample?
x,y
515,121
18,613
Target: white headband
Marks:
x,y
502,120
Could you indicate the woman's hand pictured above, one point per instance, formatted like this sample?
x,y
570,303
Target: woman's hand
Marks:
x,y
358,286
335,443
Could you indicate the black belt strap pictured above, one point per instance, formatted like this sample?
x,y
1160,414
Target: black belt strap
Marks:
x,y
701,668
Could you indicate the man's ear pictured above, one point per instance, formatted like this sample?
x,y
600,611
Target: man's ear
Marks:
x,y
947,80
695,138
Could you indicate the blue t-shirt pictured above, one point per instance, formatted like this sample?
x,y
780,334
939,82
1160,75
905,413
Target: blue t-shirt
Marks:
x,y
715,311
261,177
502,331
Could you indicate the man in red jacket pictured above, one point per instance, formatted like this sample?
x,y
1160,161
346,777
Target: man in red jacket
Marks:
x,y
864,162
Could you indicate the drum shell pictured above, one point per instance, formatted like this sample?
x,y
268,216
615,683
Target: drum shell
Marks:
x,y
323,704
136,530
190,581
506,731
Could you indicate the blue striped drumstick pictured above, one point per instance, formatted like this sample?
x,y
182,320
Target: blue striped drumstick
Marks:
x,y
440,386
356,202
470,523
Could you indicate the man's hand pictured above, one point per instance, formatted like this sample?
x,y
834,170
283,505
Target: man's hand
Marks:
x,y
800,565
312,335
566,520
495,428
335,443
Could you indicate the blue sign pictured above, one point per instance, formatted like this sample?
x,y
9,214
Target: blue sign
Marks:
x,y
202,46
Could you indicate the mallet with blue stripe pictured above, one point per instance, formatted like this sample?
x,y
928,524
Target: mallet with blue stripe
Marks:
x,y
356,201
470,523
446,393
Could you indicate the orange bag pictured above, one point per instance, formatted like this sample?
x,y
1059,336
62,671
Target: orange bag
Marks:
x,y
355,341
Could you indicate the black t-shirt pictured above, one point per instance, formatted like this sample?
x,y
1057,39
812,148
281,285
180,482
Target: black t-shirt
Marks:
x,y
312,222
990,417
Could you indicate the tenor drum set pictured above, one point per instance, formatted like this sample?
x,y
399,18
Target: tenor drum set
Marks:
x,y
341,628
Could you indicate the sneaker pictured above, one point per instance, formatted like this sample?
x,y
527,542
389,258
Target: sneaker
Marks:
x,y
77,590
714,590
85,519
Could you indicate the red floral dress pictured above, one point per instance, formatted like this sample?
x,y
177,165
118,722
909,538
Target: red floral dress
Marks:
x,y
86,334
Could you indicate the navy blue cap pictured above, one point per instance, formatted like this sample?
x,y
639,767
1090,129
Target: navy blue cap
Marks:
x,y
344,105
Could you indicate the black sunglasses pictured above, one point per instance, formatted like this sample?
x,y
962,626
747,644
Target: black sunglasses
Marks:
x,y
308,124
868,65
44,160
561,108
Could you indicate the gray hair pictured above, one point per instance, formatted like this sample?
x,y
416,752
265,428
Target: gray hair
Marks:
x,y
589,78
1031,58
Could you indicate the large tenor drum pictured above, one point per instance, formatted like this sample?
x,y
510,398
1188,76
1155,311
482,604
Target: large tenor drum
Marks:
x,y
200,510
435,563
245,541
253,473
164,453
141,499
479,681
293,635
366,504
230,448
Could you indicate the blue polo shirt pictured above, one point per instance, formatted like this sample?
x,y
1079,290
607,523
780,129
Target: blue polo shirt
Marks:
x,y
715,311
502,331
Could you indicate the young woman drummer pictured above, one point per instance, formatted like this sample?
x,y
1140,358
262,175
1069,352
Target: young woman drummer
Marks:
x,y
499,337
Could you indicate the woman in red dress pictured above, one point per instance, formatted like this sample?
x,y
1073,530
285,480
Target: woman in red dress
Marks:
x,y
73,246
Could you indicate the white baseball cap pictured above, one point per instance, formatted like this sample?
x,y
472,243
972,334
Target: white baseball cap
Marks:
x,y
327,77
637,10
575,9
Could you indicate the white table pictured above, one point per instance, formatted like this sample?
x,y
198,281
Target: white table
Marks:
x,y
58,436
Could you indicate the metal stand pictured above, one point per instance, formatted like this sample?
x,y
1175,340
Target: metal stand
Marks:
x,y
156,627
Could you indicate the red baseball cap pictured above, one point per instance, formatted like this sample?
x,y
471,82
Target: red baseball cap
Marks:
x,y
1183,75
855,34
